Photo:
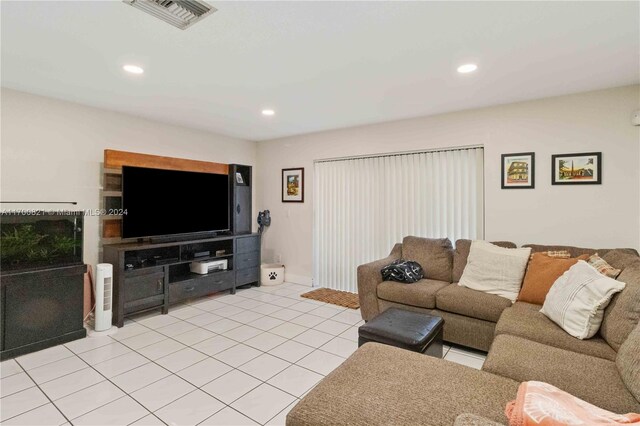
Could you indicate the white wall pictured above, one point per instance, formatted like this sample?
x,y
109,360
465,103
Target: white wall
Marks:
x,y
52,150
604,215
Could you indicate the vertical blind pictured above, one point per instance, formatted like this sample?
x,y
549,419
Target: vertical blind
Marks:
x,y
364,205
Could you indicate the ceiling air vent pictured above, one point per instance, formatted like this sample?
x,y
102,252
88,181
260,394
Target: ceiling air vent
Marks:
x,y
179,13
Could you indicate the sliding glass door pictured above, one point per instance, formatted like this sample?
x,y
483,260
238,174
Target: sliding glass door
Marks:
x,y
364,205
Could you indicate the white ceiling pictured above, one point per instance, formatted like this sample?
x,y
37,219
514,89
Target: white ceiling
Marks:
x,y
320,65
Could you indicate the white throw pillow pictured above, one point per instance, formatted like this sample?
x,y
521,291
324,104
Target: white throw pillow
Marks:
x,y
577,300
495,270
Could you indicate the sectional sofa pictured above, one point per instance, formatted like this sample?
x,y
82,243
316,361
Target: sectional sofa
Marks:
x,y
384,385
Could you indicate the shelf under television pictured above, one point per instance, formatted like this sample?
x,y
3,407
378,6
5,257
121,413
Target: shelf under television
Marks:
x,y
191,276
208,258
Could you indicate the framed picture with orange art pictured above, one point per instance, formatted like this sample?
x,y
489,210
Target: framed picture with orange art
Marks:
x,y
518,170
576,169
293,185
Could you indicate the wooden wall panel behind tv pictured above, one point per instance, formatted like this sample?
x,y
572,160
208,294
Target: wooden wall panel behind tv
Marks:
x,y
116,159
113,162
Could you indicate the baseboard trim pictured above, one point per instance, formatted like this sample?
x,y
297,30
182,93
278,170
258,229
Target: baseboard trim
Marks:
x,y
297,279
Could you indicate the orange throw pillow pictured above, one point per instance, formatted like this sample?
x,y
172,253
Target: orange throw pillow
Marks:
x,y
541,404
541,273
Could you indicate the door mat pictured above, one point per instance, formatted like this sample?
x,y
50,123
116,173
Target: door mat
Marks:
x,y
335,297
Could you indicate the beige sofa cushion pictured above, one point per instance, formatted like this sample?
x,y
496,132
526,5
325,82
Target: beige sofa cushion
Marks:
x,y
525,320
435,255
421,293
472,303
623,313
620,258
461,253
628,362
593,379
383,385
466,331
577,300
495,270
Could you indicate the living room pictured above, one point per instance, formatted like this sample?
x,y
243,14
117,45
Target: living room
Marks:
x,y
334,133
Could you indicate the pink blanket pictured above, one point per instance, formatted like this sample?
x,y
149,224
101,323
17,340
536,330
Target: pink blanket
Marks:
x,y
541,404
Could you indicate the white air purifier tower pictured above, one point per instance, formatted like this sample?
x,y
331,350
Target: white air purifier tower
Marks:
x,y
103,291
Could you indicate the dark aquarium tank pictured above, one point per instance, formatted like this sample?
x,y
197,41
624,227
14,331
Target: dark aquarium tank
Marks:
x,y
40,240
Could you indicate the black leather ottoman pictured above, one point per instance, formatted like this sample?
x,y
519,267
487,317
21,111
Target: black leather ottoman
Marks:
x,y
404,329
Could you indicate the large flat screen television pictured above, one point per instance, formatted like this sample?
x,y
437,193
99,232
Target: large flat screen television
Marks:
x,y
170,202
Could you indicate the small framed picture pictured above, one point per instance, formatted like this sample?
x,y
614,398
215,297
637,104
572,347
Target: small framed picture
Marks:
x,y
576,169
519,170
293,185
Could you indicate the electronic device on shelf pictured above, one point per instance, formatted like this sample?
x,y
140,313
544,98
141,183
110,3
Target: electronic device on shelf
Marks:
x,y
204,267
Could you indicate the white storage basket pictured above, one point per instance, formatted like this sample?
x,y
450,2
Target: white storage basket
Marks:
x,y
271,274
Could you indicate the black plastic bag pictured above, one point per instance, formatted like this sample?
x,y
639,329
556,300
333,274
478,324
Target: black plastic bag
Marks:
x,y
402,271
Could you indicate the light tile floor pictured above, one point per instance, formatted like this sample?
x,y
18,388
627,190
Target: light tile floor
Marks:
x,y
240,359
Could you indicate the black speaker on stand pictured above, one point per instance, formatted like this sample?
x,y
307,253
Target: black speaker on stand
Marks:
x,y
240,181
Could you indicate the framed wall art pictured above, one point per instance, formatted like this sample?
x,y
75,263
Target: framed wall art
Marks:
x,y
576,169
293,185
518,170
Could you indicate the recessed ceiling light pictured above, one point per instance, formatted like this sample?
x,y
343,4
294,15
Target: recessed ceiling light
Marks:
x,y
133,69
268,112
467,68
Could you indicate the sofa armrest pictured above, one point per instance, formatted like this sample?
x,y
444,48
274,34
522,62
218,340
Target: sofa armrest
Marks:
x,y
368,279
